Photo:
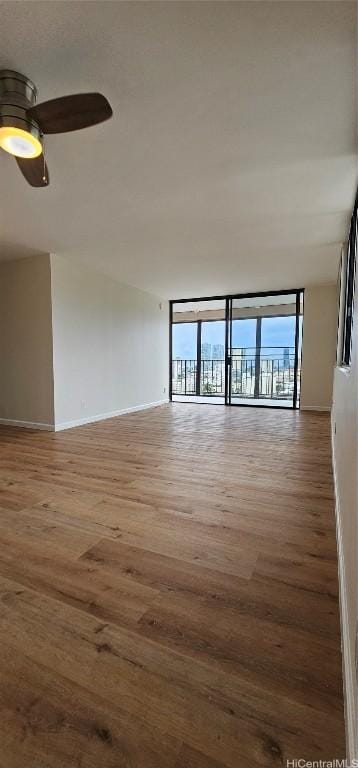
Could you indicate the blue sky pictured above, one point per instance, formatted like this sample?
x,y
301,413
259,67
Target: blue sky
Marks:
x,y
275,332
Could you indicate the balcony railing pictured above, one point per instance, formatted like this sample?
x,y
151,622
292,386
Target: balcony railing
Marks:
x,y
268,372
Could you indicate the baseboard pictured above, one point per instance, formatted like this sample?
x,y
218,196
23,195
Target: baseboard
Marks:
x,y
28,424
347,661
109,415
315,408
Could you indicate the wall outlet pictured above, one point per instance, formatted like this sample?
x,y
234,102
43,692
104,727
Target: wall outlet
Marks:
x,y
83,404
164,390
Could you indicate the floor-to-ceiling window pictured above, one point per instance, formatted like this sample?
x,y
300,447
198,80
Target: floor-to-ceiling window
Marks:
x,y
184,365
238,350
198,351
264,350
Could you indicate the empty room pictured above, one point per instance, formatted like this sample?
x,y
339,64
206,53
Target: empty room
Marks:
x,y
178,384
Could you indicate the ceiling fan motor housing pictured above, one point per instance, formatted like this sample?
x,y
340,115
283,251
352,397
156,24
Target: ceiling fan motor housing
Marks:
x,y
17,94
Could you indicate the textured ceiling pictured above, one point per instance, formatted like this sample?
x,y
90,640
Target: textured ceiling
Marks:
x,y
230,161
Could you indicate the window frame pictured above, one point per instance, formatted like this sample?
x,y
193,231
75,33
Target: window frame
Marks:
x,y
349,267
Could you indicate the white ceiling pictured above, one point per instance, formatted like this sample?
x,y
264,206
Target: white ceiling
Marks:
x,y
229,164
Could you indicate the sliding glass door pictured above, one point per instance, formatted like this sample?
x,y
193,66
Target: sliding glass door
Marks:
x,y
264,350
198,351
238,350
212,374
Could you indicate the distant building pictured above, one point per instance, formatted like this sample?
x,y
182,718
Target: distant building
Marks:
x,y
286,357
206,351
218,352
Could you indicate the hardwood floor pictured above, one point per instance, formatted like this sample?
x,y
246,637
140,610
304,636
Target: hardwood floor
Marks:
x,y
168,587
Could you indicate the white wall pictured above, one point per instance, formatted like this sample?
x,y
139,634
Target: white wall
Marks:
x,y
110,344
345,447
319,346
26,378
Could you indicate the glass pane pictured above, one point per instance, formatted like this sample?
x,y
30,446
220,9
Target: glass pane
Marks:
x,y
263,349
213,340
184,350
277,370
243,357
244,334
192,380
184,341
278,332
212,374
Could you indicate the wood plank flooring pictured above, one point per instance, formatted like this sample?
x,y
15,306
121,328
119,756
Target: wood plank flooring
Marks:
x,y
168,592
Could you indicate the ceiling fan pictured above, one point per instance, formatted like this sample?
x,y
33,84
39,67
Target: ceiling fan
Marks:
x,y
23,123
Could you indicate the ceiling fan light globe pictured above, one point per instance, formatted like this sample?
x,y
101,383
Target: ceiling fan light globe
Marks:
x,y
19,142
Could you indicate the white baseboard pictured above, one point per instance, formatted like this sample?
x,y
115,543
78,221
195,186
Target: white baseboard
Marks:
x,y
347,661
314,408
28,424
80,422
109,415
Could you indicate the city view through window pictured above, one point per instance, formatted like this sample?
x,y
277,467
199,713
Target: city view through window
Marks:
x,y
276,332
261,354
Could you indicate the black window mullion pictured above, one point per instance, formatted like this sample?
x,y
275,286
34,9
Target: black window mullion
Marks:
x,y
349,292
297,332
198,357
258,357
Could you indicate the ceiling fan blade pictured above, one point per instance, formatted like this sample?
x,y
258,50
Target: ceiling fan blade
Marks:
x,y
71,113
34,170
